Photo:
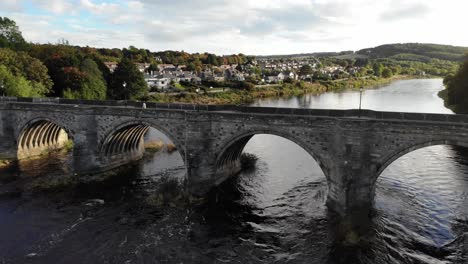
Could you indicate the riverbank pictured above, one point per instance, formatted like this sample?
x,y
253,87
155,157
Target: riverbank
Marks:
x,y
285,90
456,109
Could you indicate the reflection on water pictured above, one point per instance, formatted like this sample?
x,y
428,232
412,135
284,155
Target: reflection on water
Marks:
x,y
273,214
401,96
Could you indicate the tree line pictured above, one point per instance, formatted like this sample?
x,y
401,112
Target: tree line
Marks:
x,y
62,70
456,93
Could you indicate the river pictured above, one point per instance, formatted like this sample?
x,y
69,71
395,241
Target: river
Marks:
x,y
275,213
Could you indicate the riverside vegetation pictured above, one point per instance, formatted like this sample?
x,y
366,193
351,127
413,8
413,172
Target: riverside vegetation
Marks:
x,y
456,93
287,89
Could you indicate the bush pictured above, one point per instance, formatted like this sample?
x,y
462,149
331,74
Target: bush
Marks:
x,y
248,161
171,147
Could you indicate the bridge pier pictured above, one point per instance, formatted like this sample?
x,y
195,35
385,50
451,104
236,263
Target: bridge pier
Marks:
x,y
7,138
351,189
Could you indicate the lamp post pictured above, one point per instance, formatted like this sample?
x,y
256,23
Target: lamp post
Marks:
x,y
124,84
360,100
198,104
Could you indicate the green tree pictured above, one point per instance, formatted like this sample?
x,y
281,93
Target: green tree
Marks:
x,y
127,82
21,64
306,70
378,68
10,35
387,73
12,85
88,83
457,89
191,67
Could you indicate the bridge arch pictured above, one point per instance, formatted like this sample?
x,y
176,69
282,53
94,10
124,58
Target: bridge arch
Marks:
x,y
41,135
389,159
227,161
128,138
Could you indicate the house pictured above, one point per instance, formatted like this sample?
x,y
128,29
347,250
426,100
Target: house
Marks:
x,y
186,76
157,81
207,75
272,79
163,67
219,77
142,66
234,75
290,75
111,65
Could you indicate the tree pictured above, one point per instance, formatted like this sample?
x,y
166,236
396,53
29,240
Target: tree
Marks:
x,y
387,73
378,68
306,70
88,82
12,85
21,64
153,68
10,35
212,60
62,62
127,82
457,89
191,67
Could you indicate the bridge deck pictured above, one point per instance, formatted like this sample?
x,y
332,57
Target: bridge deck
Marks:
x,y
351,113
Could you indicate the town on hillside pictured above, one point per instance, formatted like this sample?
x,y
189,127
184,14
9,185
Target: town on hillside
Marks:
x,y
261,71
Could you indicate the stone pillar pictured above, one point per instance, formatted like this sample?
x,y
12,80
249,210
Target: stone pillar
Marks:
x,y
199,154
351,191
352,173
8,144
85,145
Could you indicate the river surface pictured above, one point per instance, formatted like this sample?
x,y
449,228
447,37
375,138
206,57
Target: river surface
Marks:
x,y
274,213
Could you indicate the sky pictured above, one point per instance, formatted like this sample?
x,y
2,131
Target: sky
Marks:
x,y
253,27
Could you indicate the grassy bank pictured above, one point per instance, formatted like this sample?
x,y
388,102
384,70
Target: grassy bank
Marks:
x,y
235,96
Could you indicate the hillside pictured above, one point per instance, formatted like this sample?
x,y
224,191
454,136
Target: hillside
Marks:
x,y
416,52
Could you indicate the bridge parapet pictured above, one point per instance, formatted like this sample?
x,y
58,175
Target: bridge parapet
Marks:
x,y
350,113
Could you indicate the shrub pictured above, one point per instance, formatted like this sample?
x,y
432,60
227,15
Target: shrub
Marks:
x,y
248,161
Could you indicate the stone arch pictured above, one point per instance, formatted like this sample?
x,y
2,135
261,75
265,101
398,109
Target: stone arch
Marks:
x,y
227,160
128,137
41,135
389,159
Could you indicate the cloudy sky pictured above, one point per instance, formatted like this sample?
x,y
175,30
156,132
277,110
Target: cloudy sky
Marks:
x,y
247,26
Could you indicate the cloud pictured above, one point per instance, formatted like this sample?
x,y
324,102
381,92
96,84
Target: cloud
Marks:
x,y
57,6
251,27
11,5
414,11
100,8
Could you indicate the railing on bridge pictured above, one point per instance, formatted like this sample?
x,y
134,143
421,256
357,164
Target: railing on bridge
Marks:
x,y
351,113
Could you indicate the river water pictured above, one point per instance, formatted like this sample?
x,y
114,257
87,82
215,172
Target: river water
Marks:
x,y
274,213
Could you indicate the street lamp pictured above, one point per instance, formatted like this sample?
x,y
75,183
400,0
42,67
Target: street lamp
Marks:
x,y
124,84
1,88
360,100
198,103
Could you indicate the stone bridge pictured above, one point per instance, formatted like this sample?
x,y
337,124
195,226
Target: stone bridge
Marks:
x,y
352,147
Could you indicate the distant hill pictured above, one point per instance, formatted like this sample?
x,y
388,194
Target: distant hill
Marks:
x,y
305,55
416,52
419,52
